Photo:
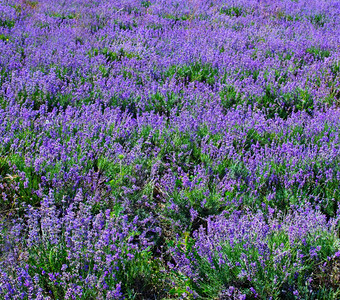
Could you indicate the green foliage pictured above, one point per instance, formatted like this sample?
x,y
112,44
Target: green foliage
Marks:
x,y
146,4
154,26
163,104
62,17
318,53
117,56
233,11
318,20
4,38
176,18
197,71
272,102
229,97
7,23
289,18
283,104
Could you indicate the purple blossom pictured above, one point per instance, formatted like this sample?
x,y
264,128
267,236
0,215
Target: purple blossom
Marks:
x,y
130,128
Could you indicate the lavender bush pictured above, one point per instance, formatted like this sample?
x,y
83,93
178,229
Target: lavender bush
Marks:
x,y
169,149
74,254
243,255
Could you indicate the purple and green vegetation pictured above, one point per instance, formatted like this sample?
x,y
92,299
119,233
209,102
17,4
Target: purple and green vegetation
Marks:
x,y
169,149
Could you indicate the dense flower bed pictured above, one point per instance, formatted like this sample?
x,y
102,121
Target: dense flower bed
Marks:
x,y
169,149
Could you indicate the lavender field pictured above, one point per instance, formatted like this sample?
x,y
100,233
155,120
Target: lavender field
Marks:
x,y
169,149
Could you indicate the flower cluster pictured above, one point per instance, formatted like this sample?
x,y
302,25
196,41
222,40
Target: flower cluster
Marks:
x,y
72,253
243,254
